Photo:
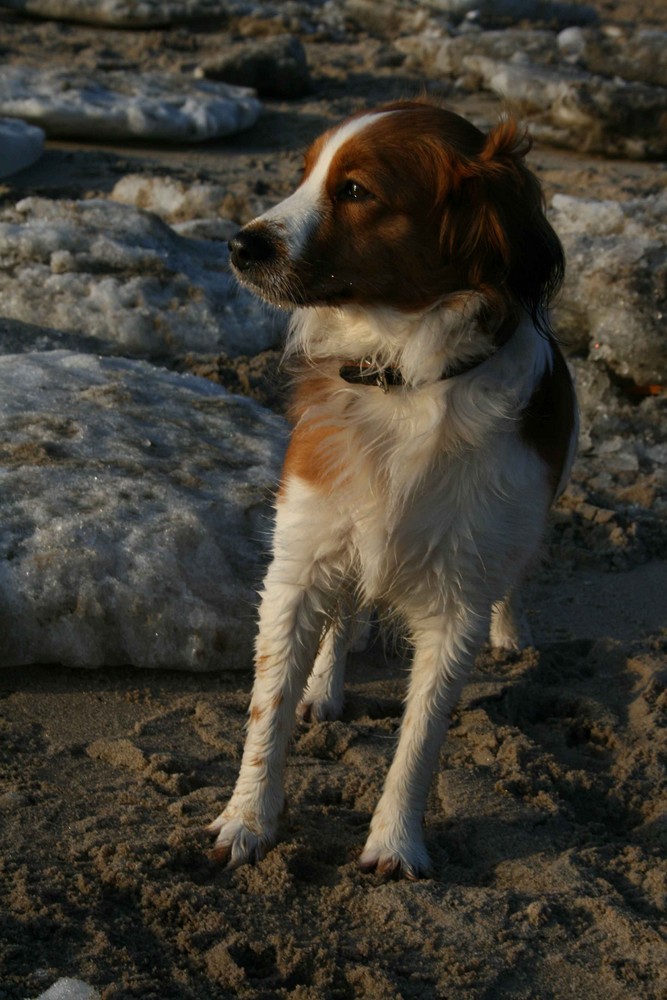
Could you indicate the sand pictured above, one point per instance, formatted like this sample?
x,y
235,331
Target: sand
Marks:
x,y
547,822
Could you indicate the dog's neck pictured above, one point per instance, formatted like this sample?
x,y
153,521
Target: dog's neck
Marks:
x,y
366,372
384,347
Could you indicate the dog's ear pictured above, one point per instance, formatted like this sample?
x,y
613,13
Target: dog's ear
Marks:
x,y
506,141
496,226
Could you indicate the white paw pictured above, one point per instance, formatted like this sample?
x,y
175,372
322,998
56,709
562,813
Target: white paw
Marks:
x,y
320,709
238,843
396,858
505,642
510,629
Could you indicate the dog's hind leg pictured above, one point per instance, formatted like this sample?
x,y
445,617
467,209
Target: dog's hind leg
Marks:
x,y
509,625
324,694
323,698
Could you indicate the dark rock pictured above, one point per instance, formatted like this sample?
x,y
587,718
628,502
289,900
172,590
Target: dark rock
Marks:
x,y
275,67
511,11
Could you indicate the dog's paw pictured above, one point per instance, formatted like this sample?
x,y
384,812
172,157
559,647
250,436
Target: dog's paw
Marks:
x,y
320,709
397,860
510,630
236,843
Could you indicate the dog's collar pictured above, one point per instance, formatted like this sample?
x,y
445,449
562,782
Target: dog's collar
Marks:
x,y
366,372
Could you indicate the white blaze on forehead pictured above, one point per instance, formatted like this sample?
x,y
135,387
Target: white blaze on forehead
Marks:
x,y
297,215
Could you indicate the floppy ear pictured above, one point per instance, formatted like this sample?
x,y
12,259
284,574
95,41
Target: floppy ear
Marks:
x,y
497,225
505,140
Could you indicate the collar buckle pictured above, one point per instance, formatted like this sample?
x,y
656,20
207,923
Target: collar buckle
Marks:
x,y
365,372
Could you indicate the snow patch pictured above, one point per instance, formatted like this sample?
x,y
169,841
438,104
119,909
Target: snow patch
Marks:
x,y
134,514
124,280
118,104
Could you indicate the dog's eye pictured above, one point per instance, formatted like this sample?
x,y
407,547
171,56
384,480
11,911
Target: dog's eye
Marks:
x,y
352,191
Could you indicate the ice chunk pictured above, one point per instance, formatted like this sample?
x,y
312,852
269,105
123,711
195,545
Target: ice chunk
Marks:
x,y
121,105
70,989
548,79
579,217
125,281
614,299
577,109
134,515
20,145
169,198
572,43
658,453
639,55
441,55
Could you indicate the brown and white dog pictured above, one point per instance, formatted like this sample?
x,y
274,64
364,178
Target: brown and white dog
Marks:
x,y
434,422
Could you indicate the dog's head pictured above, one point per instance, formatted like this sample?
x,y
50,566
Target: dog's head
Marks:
x,y
400,207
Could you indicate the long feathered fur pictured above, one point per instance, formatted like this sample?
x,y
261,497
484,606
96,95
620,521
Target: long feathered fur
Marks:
x,y
417,243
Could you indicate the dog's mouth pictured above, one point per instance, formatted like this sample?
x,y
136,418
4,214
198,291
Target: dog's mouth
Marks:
x,y
261,263
287,290
275,289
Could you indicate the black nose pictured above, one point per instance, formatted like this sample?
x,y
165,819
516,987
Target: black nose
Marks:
x,y
250,247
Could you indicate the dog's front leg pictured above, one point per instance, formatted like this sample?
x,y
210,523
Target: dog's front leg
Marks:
x,y
443,654
290,624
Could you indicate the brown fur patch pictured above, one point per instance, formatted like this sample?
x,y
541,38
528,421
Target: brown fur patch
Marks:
x,y
311,456
547,423
312,453
261,662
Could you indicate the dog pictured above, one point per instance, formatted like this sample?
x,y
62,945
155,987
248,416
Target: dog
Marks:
x,y
434,421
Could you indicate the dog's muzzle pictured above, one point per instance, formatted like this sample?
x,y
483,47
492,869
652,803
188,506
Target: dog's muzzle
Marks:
x,y
251,247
